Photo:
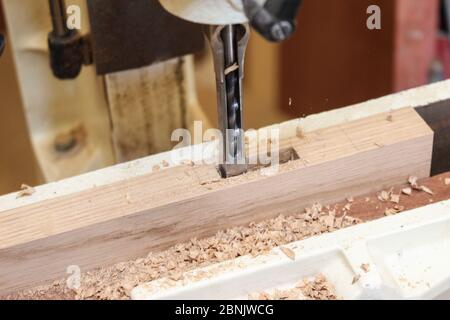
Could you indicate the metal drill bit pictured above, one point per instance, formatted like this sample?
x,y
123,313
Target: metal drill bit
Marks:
x,y
232,90
228,44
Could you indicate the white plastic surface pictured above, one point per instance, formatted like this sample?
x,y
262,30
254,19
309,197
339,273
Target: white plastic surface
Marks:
x,y
408,256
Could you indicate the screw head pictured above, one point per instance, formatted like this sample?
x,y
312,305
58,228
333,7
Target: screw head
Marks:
x,y
281,30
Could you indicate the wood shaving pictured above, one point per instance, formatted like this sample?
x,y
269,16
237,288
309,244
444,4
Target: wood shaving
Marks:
x,y
392,211
365,267
413,182
25,190
356,278
116,282
350,199
383,196
288,252
212,181
231,68
380,145
344,216
188,162
407,191
395,198
300,133
426,189
128,198
447,181
317,289
390,118
165,164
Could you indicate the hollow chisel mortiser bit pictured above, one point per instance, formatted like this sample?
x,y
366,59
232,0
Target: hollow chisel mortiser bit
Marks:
x,y
275,20
228,45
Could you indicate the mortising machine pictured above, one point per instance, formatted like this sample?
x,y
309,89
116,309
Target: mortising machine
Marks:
x,y
228,33
157,30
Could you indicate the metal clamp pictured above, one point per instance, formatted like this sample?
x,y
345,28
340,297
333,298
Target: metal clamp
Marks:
x,y
68,49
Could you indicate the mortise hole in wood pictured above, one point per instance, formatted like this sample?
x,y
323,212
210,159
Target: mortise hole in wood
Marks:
x,y
285,155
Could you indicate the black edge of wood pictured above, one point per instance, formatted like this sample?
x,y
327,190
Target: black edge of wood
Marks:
x,y
437,116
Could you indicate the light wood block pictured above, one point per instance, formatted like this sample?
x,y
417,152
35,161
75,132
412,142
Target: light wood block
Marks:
x,y
129,218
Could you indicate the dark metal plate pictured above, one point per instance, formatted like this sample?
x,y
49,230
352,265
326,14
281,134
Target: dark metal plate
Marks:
x,y
437,116
129,34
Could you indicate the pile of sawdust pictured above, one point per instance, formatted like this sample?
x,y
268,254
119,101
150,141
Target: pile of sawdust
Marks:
x,y
116,282
317,289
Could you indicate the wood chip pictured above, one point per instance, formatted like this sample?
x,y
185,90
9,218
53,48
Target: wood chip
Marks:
x,y
380,145
350,199
264,296
391,211
390,118
188,162
383,196
407,191
395,198
317,289
253,239
343,219
288,252
25,190
447,181
165,163
231,68
426,189
356,278
412,180
176,276
300,133
365,267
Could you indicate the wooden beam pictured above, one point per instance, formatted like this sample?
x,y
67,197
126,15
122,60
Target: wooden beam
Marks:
x,y
428,95
129,218
147,104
